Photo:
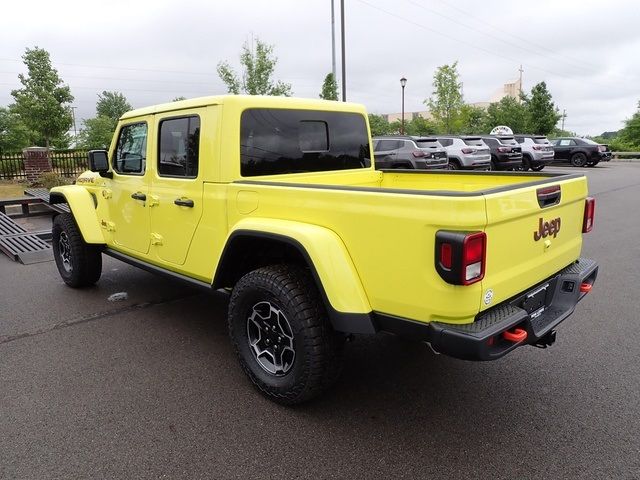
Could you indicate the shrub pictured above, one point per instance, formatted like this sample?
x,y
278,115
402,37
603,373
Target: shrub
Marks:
x,y
51,179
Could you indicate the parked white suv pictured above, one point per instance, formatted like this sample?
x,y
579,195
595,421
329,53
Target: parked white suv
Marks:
x,y
466,152
537,151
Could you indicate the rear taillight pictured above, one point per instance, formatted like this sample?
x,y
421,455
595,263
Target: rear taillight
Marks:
x,y
421,154
461,256
467,151
589,210
537,147
504,149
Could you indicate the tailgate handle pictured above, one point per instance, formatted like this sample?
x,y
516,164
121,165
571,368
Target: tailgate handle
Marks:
x,y
548,196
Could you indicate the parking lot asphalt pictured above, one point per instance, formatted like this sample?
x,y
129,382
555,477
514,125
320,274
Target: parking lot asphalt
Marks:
x,y
150,388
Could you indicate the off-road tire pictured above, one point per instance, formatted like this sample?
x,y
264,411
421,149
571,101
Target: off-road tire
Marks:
x,y
579,159
290,290
79,263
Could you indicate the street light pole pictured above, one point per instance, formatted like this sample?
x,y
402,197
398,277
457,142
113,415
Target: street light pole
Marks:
x,y
344,62
403,83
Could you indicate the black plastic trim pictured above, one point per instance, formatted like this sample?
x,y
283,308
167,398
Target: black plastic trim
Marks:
x,y
155,269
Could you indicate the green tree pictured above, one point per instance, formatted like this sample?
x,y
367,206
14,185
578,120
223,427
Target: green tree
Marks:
x,y
257,71
379,125
446,100
43,101
97,133
14,134
329,88
542,114
420,126
112,105
508,111
472,120
630,134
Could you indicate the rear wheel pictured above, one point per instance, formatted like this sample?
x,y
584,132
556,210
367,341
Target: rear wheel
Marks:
x,y
526,164
79,263
494,164
281,334
537,168
453,165
578,159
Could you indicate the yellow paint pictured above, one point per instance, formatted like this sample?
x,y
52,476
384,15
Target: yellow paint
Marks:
x,y
81,205
373,249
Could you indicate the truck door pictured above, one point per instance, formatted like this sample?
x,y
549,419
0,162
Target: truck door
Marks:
x,y
176,191
128,206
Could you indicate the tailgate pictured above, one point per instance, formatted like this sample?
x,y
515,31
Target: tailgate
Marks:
x,y
529,237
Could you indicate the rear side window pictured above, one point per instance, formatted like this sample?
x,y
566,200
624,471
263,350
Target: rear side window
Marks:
x,y
278,141
384,145
179,147
131,150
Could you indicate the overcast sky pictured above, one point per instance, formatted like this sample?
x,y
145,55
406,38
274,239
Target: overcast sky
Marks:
x,y
153,51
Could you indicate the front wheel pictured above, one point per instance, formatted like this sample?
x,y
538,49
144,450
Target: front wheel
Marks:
x,y
281,334
79,263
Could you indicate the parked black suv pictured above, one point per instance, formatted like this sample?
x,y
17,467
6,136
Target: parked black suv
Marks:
x,y
580,152
506,153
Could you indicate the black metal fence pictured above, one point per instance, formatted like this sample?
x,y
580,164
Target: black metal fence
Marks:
x,y
68,163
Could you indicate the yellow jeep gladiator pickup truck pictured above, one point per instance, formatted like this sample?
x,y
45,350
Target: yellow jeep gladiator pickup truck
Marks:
x,y
277,201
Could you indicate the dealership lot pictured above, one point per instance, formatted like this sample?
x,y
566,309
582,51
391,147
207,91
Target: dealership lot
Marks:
x,y
150,388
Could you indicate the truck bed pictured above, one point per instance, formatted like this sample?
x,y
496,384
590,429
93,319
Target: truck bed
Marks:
x,y
396,215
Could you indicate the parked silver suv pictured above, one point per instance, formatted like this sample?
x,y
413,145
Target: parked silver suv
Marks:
x,y
537,151
409,152
466,152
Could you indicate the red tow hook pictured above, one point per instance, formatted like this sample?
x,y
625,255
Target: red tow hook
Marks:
x,y
516,335
585,287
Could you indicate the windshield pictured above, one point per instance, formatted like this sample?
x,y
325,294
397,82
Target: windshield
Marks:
x,y
474,142
508,141
428,143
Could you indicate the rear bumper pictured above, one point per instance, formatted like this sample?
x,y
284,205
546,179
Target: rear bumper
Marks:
x,y
484,338
505,161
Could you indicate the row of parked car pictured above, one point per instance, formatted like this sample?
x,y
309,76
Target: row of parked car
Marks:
x,y
486,152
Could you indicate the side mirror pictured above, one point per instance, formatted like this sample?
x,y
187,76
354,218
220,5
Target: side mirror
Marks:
x,y
99,162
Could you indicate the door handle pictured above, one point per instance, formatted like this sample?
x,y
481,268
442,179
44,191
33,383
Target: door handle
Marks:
x,y
184,202
139,196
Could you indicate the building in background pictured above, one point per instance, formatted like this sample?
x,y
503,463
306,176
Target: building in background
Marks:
x,y
509,89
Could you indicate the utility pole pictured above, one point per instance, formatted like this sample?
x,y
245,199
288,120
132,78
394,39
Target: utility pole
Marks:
x,y
344,63
520,83
564,115
75,132
333,41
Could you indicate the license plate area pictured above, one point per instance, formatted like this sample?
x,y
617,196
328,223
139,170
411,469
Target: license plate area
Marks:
x,y
536,301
